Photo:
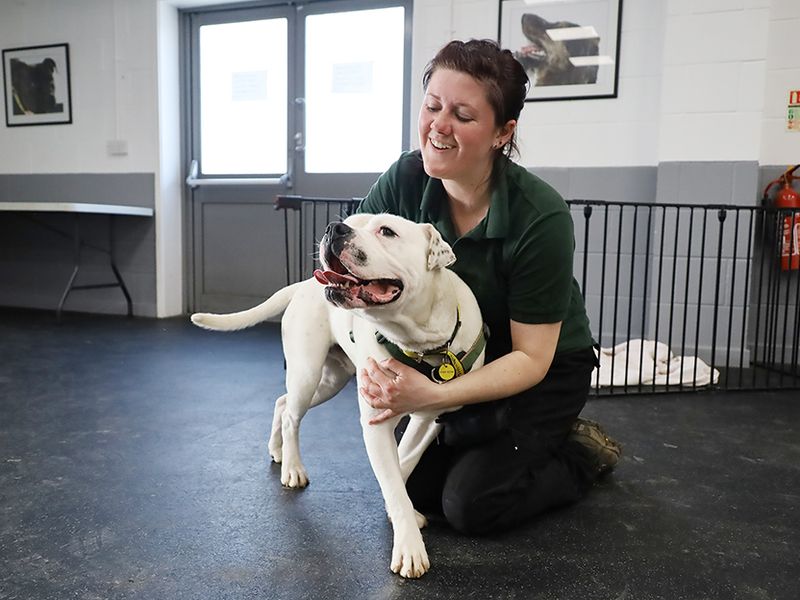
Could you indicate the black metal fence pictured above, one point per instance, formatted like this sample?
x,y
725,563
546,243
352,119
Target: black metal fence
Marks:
x,y
680,297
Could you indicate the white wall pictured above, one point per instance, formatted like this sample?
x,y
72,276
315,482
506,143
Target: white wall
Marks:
x,y
713,82
112,46
124,74
575,133
700,80
779,146
169,186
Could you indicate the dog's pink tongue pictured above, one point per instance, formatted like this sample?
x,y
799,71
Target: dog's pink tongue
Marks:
x,y
333,278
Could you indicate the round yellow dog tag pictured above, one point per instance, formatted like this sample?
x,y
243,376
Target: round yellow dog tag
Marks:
x,y
446,371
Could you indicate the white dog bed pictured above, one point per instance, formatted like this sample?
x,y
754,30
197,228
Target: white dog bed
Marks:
x,y
647,362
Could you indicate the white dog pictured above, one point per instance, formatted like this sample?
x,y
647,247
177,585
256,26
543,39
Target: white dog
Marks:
x,y
386,291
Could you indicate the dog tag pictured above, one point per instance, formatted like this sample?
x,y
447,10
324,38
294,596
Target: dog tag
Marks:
x,y
446,372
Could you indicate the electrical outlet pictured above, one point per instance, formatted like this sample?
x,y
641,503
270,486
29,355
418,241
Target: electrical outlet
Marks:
x,y
117,147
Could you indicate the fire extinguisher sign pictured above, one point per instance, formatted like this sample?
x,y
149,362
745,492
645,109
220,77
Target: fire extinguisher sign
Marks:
x,y
793,111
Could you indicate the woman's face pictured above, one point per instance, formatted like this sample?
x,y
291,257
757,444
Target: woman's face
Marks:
x,y
457,129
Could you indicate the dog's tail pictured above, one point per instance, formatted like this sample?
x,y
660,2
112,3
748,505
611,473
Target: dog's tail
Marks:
x,y
271,307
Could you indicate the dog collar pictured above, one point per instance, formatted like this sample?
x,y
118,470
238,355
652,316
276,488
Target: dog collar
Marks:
x,y
452,365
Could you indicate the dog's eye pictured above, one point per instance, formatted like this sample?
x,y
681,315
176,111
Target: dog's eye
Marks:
x,y
387,232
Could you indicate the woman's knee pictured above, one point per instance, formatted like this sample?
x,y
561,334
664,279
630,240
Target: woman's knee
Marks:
x,y
467,515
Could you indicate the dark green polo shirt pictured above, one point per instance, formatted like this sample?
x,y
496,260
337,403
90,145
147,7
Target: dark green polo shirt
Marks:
x,y
517,260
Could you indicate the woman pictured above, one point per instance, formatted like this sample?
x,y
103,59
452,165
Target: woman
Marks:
x,y
517,447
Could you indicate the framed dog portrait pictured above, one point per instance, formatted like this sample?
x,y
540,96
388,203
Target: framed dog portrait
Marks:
x,y
569,48
36,85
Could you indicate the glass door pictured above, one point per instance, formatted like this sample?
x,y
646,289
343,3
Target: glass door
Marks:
x,y
308,99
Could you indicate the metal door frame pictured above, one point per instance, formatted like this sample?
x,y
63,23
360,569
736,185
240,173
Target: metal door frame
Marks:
x,y
295,180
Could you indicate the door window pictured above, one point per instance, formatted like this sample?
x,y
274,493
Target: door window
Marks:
x,y
299,89
354,90
243,90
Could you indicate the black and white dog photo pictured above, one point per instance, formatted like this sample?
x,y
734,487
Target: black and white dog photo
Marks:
x,y
547,61
33,87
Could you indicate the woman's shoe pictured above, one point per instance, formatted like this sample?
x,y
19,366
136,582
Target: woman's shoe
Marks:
x,y
594,438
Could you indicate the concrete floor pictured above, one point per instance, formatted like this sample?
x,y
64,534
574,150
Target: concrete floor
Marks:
x,y
133,464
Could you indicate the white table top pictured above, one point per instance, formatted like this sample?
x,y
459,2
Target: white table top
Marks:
x,y
78,207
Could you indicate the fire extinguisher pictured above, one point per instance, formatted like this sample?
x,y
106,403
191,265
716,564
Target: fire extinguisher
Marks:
x,y
787,201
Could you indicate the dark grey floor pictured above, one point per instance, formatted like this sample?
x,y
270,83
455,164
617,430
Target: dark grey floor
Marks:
x,y
133,464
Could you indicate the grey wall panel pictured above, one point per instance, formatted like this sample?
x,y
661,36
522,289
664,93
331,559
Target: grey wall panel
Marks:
x,y
621,184
711,247
558,178
36,249
699,183
768,173
683,339
135,189
745,184
618,317
626,184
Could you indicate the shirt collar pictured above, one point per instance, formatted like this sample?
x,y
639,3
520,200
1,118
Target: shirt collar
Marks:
x,y
433,209
497,218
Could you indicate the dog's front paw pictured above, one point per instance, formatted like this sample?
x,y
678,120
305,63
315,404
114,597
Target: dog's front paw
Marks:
x,y
409,557
294,476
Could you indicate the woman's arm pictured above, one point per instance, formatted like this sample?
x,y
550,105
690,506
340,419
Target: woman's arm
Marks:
x,y
397,389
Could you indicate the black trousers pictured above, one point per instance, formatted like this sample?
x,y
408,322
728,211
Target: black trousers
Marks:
x,y
524,469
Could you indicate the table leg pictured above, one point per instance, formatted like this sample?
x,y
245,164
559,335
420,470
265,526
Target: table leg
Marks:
x,y
76,261
112,260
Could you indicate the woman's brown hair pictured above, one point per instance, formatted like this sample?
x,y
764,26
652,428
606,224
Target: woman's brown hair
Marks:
x,y
504,78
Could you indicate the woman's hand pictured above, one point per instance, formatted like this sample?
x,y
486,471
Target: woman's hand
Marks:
x,y
394,387
397,389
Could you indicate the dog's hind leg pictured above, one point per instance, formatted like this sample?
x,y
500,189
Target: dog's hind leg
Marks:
x,y
308,385
336,372
275,437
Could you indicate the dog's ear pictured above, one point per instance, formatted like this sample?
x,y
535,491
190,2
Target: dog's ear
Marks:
x,y
440,254
358,219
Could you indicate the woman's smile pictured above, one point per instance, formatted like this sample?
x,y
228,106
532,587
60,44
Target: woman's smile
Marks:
x,y
457,129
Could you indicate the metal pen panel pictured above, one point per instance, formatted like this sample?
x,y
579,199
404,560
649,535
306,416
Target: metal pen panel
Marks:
x,y
703,282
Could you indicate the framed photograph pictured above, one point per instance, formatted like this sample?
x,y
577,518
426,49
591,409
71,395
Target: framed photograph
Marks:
x,y
36,85
570,48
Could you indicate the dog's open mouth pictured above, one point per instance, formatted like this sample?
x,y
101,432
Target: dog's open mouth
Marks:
x,y
533,51
343,285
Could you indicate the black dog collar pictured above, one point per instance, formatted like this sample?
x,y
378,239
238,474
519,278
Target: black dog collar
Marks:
x,y
452,365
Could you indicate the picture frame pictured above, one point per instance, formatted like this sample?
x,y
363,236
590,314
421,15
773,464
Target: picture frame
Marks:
x,y
36,84
569,48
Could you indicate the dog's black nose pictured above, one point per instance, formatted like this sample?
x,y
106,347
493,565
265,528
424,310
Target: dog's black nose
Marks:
x,y
338,229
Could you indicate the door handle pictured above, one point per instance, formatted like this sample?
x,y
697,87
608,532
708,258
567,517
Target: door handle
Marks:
x,y
193,181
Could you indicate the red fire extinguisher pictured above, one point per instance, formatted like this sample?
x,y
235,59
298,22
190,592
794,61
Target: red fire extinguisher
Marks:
x,y
787,201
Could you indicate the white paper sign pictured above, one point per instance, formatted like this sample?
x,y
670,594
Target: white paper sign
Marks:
x,y
352,78
249,86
